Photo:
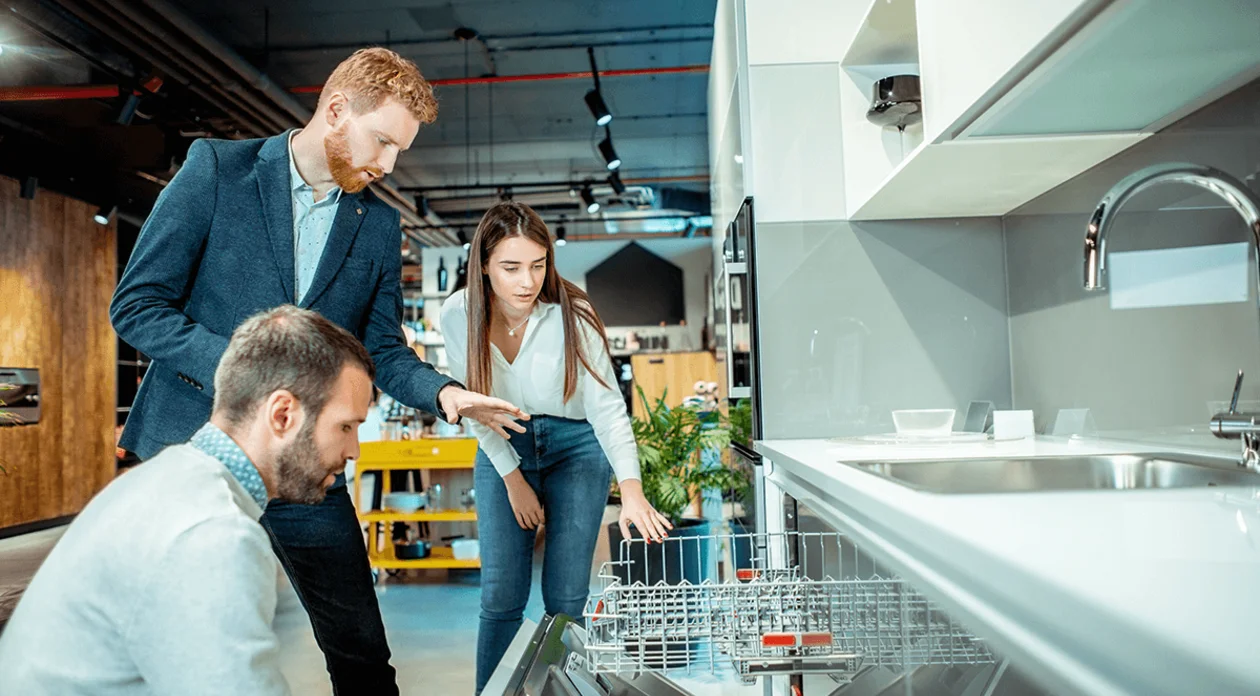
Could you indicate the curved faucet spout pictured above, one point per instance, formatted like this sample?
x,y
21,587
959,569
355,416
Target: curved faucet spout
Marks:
x,y
1230,189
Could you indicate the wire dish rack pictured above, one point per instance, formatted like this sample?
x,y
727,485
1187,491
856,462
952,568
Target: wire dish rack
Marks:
x,y
764,604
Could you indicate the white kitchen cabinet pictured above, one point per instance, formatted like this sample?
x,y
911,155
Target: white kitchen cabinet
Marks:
x,y
1021,95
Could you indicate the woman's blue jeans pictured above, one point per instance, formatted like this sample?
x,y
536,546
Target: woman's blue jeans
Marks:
x,y
566,467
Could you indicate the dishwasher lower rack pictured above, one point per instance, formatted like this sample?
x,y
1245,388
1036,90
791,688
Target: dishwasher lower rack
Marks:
x,y
764,604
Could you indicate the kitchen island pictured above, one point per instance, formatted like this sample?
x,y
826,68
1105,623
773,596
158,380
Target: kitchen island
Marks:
x,y
1142,592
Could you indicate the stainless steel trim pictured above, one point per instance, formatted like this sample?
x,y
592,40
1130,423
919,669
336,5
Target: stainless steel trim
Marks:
x,y
728,346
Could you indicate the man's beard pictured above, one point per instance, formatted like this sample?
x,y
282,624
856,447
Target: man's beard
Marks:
x,y
341,163
300,474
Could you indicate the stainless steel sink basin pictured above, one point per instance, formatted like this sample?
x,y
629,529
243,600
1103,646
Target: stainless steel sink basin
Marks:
x,y
1074,473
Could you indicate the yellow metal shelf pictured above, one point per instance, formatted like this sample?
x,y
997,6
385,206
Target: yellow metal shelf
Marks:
x,y
441,558
425,453
411,455
410,465
441,516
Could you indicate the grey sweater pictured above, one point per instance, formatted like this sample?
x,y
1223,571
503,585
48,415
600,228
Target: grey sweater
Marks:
x,y
164,584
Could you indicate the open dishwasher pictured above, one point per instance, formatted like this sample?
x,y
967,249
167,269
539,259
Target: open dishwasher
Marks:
x,y
749,606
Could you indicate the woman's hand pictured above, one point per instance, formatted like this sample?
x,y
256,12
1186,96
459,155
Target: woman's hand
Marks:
x,y
525,505
635,508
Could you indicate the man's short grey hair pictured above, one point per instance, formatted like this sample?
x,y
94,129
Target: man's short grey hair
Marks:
x,y
284,348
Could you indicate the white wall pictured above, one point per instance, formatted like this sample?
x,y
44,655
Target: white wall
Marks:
x,y
858,319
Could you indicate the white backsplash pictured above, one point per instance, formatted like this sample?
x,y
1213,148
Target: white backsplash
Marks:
x,y
858,319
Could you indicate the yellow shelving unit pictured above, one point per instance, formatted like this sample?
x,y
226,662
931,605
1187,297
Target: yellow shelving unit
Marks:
x,y
412,455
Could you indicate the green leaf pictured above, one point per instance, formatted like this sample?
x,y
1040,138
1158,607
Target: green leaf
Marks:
x,y
670,443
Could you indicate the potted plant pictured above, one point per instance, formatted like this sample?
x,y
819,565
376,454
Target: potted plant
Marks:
x,y
673,473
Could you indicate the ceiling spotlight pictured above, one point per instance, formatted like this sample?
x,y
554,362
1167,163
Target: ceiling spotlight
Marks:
x,y
422,206
560,235
592,205
105,214
609,154
595,102
614,180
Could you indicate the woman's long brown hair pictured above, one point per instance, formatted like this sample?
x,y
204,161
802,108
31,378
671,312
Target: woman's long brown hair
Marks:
x,y
512,219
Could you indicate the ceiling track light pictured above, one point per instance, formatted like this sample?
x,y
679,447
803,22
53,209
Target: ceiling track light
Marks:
x,y
560,235
104,214
614,180
609,154
595,102
595,99
592,205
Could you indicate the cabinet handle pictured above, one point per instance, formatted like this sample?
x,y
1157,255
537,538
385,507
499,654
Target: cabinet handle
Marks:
x,y
656,361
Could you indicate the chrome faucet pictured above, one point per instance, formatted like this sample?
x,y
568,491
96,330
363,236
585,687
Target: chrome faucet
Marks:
x,y
1245,426
1231,425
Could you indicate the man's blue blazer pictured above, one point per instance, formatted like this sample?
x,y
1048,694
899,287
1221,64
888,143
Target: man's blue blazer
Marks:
x,y
218,248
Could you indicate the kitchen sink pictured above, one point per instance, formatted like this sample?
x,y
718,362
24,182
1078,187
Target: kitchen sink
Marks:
x,y
1063,473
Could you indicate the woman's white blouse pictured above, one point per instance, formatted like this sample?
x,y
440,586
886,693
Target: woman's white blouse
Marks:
x,y
534,382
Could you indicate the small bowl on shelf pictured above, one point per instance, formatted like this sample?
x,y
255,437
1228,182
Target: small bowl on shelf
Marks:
x,y
404,502
924,422
466,549
414,551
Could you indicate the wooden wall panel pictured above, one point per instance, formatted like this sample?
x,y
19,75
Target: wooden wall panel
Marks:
x,y
673,375
57,271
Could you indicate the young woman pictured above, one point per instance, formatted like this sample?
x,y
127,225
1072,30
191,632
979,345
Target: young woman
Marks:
x,y
522,333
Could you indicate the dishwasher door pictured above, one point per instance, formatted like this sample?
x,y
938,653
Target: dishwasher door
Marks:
x,y
549,659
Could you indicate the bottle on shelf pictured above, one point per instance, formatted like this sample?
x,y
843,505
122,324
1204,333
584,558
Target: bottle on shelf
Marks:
x,y
441,275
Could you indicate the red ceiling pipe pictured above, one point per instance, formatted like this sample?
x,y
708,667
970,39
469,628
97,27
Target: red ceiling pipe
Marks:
x,y
64,92
497,79
57,92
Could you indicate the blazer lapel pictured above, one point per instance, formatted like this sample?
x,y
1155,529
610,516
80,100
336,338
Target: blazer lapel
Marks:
x,y
351,211
274,187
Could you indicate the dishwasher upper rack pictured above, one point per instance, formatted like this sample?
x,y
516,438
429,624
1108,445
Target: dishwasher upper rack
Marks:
x,y
764,604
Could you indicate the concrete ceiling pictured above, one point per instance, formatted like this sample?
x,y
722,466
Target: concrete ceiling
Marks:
x,y
507,132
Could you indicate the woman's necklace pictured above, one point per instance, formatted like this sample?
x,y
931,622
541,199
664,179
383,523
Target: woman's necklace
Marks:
x,y
512,332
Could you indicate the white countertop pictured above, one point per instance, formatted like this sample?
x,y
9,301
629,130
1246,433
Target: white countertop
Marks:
x,y
1141,592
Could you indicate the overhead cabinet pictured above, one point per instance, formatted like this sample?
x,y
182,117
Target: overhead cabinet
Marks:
x,y
1019,96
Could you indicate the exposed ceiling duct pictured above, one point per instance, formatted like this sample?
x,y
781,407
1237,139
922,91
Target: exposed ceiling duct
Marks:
x,y
161,35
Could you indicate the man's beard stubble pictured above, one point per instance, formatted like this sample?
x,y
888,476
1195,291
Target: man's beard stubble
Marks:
x,y
341,163
300,474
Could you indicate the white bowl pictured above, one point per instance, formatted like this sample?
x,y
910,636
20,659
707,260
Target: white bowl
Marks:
x,y
404,502
924,421
466,549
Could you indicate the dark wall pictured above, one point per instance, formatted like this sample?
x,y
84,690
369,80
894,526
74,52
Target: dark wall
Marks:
x,y
635,287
